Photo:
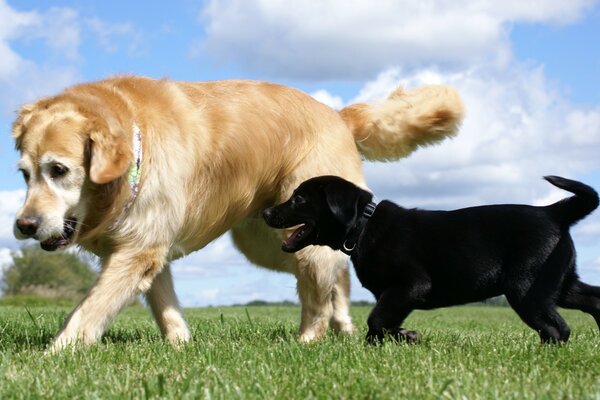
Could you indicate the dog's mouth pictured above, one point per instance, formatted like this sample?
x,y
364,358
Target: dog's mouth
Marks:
x,y
298,239
64,239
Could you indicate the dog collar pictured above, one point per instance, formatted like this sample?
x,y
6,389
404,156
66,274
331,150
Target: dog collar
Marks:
x,y
354,233
134,174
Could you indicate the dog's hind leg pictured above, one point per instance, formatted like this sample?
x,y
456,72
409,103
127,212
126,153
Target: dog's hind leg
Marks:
x,y
323,282
536,307
534,296
164,305
581,296
124,275
543,318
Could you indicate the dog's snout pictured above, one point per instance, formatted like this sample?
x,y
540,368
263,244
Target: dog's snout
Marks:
x,y
28,225
272,217
267,214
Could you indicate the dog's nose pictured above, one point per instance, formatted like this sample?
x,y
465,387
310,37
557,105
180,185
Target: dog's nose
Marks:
x,y
267,214
28,225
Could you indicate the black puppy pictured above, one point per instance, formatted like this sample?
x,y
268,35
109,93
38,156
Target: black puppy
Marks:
x,y
415,259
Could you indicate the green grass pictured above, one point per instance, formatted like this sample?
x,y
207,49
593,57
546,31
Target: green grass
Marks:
x,y
251,353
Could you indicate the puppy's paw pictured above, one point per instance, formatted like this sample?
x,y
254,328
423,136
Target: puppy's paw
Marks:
x,y
407,336
374,337
399,335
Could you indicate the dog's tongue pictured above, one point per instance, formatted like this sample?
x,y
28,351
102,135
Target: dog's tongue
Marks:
x,y
294,236
62,240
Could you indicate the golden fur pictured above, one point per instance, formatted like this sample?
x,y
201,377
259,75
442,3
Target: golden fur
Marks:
x,y
215,155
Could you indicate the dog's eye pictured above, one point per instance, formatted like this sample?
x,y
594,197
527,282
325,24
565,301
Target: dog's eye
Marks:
x,y
25,175
58,170
298,199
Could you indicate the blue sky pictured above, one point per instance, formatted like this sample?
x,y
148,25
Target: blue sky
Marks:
x,y
529,75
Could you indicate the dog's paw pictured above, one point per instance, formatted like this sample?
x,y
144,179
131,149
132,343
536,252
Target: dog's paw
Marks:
x,y
178,337
399,335
62,343
374,337
408,336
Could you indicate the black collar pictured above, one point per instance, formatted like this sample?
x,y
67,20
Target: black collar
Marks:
x,y
354,232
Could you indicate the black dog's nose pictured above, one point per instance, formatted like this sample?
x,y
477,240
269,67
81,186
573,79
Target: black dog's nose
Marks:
x,y
28,225
267,214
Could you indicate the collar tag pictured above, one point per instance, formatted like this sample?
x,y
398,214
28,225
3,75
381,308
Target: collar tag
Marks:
x,y
353,235
134,174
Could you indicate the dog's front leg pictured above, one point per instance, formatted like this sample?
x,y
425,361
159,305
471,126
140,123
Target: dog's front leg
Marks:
x,y
124,274
392,308
317,271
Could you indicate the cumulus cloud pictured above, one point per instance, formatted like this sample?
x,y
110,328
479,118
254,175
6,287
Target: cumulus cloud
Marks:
x,y
597,264
21,79
10,202
253,285
352,39
61,30
5,258
111,36
518,128
217,260
329,99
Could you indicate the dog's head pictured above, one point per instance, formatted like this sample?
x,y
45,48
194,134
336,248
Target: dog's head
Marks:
x,y
325,208
67,145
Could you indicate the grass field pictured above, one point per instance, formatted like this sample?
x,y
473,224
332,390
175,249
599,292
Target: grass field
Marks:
x,y
251,353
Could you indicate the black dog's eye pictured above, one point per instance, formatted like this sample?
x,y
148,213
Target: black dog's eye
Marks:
x,y
25,175
58,171
297,199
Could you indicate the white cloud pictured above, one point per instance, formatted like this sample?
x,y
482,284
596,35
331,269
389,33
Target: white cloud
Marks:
x,y
590,229
5,258
587,233
208,296
596,264
12,23
57,27
113,36
61,30
331,100
356,38
23,80
10,202
217,260
517,129
238,286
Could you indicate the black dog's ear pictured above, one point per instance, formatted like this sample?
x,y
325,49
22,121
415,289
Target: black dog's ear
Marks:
x,y
343,202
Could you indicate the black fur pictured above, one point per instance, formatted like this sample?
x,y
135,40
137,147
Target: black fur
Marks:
x,y
415,259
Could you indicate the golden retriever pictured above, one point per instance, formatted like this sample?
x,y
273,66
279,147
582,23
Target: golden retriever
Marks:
x,y
142,172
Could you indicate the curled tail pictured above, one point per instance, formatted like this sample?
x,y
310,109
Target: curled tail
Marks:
x,y
395,127
572,209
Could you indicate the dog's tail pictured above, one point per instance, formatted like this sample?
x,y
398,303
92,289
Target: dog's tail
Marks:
x,y
395,127
572,209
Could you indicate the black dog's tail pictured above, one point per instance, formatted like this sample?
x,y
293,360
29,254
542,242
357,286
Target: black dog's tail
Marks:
x,y
572,209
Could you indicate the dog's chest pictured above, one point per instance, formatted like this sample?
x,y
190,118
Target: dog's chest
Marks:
x,y
372,276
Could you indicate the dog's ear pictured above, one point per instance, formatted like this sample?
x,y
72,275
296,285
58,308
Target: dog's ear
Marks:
x,y
110,151
18,127
343,202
